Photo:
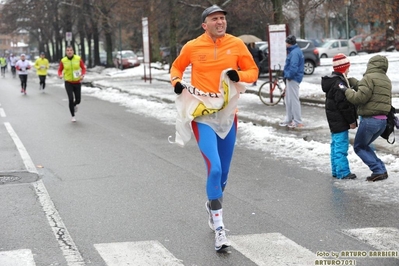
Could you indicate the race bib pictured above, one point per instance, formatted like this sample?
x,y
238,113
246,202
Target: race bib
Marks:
x,y
23,69
77,73
42,67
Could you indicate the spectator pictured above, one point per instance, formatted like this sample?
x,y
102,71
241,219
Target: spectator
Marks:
x,y
341,116
373,98
257,55
293,75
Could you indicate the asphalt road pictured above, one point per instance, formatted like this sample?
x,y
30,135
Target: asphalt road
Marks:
x,y
111,181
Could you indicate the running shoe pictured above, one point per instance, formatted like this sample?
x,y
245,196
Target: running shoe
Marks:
x,y
210,219
295,125
73,119
221,241
25,92
22,90
283,124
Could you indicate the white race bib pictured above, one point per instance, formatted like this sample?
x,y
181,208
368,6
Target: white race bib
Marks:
x,y
77,73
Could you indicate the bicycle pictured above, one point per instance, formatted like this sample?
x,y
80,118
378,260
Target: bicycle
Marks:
x,y
271,92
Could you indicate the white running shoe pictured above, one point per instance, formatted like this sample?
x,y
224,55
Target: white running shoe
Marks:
x,y
221,241
73,119
75,108
295,125
210,219
283,124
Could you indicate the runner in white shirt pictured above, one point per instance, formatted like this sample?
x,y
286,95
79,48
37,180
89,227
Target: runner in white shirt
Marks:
x,y
23,66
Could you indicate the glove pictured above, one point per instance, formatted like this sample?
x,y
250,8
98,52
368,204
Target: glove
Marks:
x,y
342,87
178,88
352,82
233,75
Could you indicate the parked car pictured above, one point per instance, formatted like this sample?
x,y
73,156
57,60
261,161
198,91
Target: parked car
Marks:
x,y
376,42
140,55
357,40
336,46
310,52
126,59
261,43
317,42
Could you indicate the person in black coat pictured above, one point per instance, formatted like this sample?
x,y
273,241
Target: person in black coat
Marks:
x,y
341,116
257,56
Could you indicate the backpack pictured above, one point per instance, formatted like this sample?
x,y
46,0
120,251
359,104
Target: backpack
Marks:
x,y
390,127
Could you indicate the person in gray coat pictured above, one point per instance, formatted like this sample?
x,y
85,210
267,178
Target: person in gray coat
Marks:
x,y
373,97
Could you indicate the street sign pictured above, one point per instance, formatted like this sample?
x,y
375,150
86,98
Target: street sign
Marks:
x,y
68,36
277,48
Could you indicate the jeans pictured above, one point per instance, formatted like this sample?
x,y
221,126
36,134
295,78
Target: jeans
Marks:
x,y
369,130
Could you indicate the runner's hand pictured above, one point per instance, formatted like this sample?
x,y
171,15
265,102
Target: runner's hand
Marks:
x,y
233,75
178,88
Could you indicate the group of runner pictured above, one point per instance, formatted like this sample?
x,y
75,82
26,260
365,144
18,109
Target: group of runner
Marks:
x,y
71,68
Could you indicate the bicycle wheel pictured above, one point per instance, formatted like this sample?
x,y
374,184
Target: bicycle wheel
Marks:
x,y
270,93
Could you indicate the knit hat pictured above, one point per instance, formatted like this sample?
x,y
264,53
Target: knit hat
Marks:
x,y
340,63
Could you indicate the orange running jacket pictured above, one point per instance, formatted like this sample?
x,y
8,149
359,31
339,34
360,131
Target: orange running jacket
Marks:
x,y
208,59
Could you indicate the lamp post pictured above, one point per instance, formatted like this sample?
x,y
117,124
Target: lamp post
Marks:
x,y
120,45
347,4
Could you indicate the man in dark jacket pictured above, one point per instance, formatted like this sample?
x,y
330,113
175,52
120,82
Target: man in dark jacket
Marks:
x,y
341,116
373,99
293,74
257,55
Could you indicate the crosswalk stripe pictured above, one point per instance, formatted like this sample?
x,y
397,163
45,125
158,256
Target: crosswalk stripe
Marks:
x,y
142,253
272,249
20,257
382,238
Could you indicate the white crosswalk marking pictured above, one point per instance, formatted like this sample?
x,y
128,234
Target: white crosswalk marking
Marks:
x,y
272,249
383,238
141,253
20,257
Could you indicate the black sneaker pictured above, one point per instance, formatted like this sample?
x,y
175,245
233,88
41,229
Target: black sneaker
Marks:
x,y
377,177
349,176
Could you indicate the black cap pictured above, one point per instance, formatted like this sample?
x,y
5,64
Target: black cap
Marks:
x,y
211,10
41,53
291,39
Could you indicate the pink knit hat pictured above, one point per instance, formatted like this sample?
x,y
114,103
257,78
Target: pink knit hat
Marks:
x,y
340,63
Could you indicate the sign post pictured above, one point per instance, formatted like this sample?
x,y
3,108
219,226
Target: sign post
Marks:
x,y
277,48
68,37
146,48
